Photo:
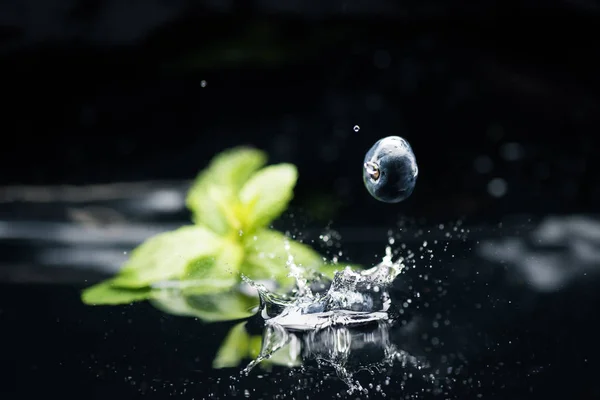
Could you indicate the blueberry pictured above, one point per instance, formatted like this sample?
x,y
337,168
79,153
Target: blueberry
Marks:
x,y
390,170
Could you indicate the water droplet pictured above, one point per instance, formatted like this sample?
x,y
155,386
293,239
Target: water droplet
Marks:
x,y
512,151
203,83
497,187
356,128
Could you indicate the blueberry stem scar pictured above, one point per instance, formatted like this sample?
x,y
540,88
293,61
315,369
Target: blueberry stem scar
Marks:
x,y
372,169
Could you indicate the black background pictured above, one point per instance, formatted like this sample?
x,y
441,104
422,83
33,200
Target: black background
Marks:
x,y
108,91
458,80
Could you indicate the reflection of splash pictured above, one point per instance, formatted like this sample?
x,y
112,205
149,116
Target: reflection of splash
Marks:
x,y
346,350
558,251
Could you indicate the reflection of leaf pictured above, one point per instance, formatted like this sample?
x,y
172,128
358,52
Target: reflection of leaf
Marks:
x,y
254,46
106,293
213,195
259,45
239,345
267,194
254,346
225,306
287,356
166,256
234,348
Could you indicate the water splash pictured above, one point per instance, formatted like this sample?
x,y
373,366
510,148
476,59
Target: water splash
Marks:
x,y
352,298
323,310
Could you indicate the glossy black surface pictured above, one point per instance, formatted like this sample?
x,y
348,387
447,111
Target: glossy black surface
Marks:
x,y
505,337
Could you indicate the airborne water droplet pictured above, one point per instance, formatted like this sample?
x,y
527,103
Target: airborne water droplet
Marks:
x,y
356,128
497,187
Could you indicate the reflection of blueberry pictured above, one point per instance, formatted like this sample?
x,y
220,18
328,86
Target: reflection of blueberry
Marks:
x,y
390,170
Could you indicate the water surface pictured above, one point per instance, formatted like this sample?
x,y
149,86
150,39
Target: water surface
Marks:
x,y
484,328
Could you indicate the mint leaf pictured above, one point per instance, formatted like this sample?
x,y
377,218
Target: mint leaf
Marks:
x,y
105,293
267,194
268,253
215,273
213,195
195,270
234,348
329,269
166,256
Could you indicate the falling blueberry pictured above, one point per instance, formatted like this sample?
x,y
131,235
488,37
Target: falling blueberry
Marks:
x,y
390,170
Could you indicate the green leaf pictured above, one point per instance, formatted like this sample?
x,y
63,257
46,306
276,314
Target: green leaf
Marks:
x,y
254,346
268,252
329,269
105,293
166,256
213,195
216,273
225,306
267,194
287,356
234,348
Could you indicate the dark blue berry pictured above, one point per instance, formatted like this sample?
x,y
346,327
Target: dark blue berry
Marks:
x,y
390,170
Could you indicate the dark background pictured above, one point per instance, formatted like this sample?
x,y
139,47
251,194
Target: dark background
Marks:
x,y
107,91
104,91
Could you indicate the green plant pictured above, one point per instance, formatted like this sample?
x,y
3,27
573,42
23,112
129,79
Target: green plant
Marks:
x,y
239,345
233,202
